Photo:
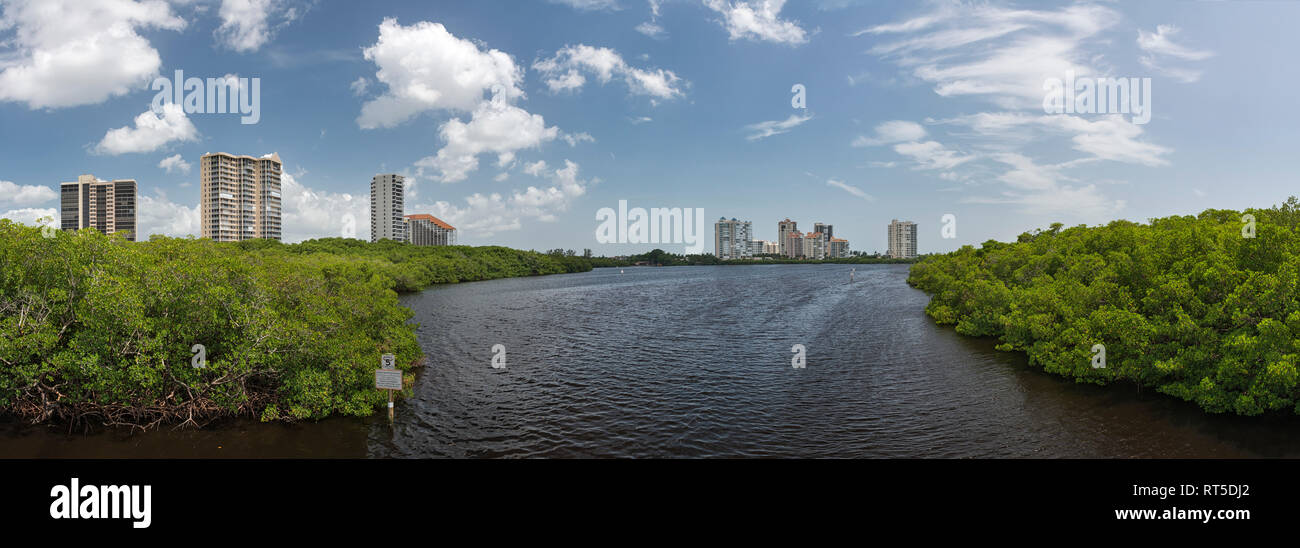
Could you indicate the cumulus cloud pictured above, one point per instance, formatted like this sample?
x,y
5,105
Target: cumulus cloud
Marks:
x,y
495,127
775,127
425,67
159,215
152,131
483,215
757,20
565,72
13,194
67,53
247,25
33,216
310,213
359,86
174,163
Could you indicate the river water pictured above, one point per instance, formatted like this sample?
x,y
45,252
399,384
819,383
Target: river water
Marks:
x,y
696,362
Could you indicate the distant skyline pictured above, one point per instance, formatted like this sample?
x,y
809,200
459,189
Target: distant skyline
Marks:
x,y
517,120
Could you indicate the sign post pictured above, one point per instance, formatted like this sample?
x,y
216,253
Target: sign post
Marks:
x,y
389,378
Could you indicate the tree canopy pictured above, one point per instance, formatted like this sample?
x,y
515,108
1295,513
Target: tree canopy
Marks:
x,y
1204,308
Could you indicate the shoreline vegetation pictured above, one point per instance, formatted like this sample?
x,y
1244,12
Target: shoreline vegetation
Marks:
x,y
1203,308
94,328
659,257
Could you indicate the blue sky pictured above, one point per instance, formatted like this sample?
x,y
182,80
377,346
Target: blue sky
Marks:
x,y
516,120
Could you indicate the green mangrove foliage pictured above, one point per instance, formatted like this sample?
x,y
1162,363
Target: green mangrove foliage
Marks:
x,y
94,327
1202,308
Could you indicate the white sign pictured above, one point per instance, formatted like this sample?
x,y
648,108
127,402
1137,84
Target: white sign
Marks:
x,y
387,361
388,379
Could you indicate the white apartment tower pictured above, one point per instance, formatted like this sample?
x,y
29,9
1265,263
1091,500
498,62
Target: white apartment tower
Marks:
x,y
106,206
902,239
387,209
733,239
239,197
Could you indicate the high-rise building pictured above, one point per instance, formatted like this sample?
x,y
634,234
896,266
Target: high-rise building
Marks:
x,y
106,206
733,239
239,197
425,229
764,247
783,230
902,239
792,246
387,209
826,229
814,246
837,248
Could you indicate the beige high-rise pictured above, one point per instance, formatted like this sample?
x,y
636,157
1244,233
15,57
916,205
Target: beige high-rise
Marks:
x,y
106,206
902,239
239,197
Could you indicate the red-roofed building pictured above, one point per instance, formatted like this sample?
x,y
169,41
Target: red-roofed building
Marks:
x,y
424,229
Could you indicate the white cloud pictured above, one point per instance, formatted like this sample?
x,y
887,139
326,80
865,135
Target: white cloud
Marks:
x,y
563,72
775,127
651,29
1161,42
359,86
850,189
151,132
158,215
1111,138
66,53
309,213
574,138
589,5
483,215
495,127
757,19
1002,54
174,163
893,131
14,194
33,216
536,168
425,68
1159,46
247,25
932,155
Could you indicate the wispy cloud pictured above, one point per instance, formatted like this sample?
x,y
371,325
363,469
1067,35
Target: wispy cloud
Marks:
x,y
850,189
763,130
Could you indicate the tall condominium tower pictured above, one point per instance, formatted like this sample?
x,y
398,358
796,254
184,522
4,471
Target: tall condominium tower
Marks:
x,y
822,228
902,239
837,248
814,245
733,239
429,230
106,206
387,210
239,197
783,231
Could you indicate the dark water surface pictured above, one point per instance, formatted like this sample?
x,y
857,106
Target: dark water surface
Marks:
x,y
695,362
